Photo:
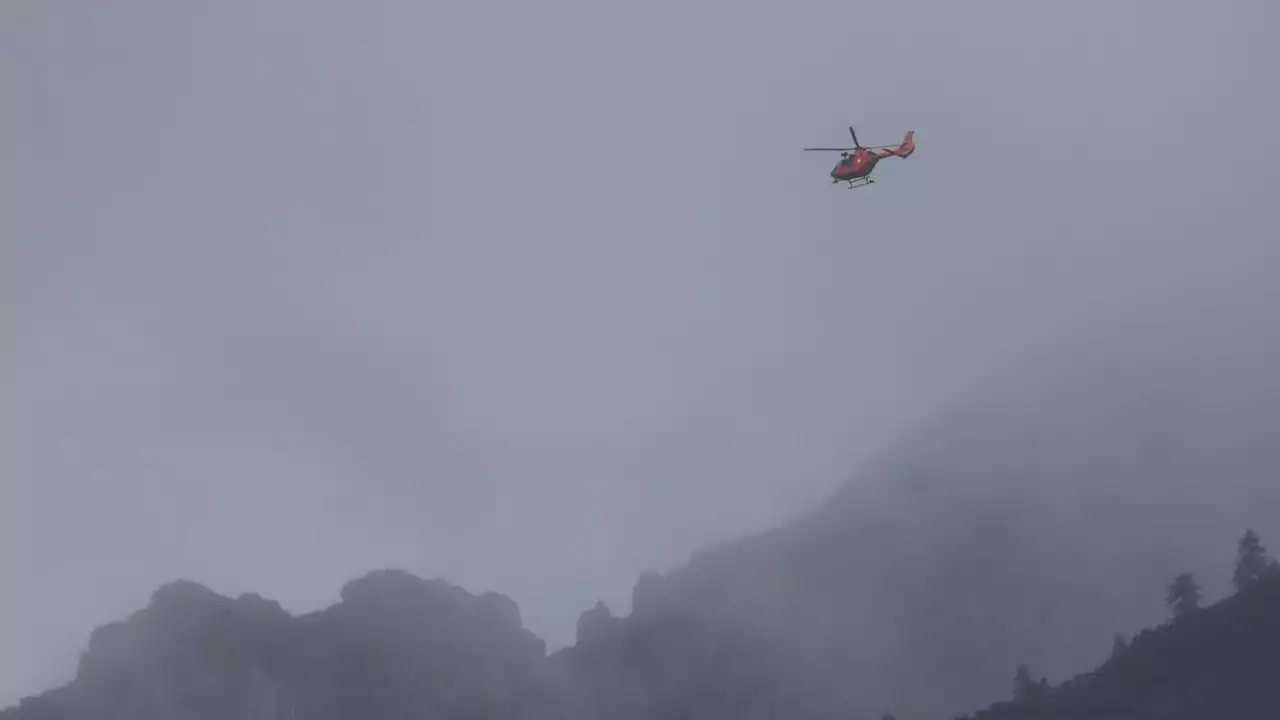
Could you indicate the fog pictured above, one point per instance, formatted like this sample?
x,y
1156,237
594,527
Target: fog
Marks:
x,y
538,296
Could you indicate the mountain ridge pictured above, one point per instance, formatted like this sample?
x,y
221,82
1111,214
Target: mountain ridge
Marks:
x,y
1025,524
194,653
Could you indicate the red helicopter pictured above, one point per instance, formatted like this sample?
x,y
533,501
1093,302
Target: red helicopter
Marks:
x,y
857,162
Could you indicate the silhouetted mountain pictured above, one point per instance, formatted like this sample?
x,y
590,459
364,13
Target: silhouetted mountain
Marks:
x,y
399,647
396,646
1220,662
1027,525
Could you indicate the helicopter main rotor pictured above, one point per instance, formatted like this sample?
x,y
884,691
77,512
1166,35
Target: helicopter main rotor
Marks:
x,y
845,150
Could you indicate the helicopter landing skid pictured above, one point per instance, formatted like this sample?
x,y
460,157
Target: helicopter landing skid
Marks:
x,y
863,182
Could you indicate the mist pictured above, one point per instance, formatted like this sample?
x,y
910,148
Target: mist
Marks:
x,y
538,297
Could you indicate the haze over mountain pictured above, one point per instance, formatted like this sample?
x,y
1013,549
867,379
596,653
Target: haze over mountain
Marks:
x,y
1029,523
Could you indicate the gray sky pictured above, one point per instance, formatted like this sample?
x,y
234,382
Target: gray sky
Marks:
x,y
536,296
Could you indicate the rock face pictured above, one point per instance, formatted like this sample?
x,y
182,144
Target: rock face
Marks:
x,y
670,661
396,646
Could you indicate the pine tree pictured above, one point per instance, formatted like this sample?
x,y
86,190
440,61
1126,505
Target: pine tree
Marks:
x,y
1118,646
1252,561
1183,595
1024,688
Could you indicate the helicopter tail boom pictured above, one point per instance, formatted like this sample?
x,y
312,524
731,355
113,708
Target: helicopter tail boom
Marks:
x,y
904,150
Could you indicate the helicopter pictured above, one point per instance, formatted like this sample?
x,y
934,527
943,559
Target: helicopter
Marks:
x,y
857,162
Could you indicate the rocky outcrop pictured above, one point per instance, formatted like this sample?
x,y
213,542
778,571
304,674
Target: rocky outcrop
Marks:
x,y
396,646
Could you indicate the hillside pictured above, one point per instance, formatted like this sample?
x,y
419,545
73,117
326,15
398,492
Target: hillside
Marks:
x,y
1221,662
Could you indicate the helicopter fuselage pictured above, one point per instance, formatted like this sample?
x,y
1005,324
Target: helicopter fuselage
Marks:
x,y
854,165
